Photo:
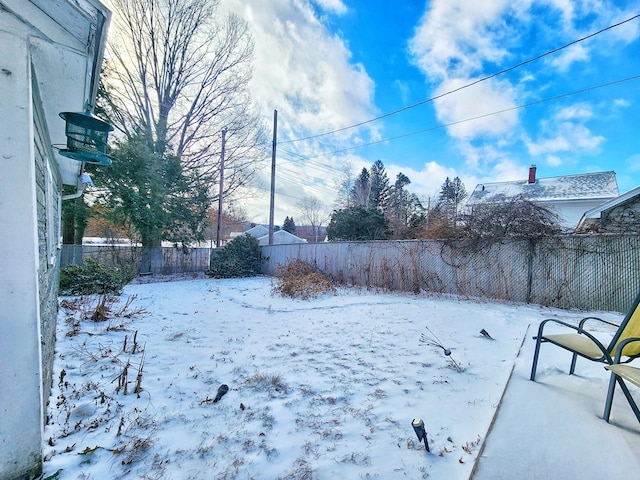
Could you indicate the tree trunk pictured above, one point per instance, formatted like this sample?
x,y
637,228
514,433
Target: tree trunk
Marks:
x,y
68,227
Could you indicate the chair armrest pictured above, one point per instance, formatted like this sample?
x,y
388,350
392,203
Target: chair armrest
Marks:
x,y
579,331
559,322
584,320
621,346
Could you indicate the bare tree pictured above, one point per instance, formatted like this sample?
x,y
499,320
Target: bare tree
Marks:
x,y
311,211
516,217
178,76
345,183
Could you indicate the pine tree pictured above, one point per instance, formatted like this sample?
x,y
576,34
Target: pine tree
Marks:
x,y
357,224
361,189
452,193
289,225
405,214
379,197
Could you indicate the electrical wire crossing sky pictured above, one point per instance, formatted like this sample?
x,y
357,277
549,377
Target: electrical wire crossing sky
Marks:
x,y
443,88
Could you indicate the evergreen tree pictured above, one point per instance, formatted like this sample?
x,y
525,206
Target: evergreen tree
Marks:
x,y
405,214
452,193
379,197
361,189
358,223
152,192
289,225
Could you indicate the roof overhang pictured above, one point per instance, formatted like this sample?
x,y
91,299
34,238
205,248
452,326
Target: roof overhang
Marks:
x,y
67,40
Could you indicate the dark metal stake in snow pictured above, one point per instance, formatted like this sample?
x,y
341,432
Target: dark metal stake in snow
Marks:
x,y
418,427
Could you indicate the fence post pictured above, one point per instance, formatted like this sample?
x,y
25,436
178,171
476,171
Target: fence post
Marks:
x,y
532,245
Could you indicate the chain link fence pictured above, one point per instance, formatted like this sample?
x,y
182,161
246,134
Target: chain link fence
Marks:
x,y
585,272
591,272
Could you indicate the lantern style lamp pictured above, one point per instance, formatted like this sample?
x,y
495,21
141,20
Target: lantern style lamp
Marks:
x,y
87,137
421,433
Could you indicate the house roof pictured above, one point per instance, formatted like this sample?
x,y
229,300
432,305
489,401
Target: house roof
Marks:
x,y
258,231
281,237
587,186
622,199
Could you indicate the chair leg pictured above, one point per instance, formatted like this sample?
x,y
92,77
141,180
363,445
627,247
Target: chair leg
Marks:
x,y
534,365
573,363
609,402
623,386
627,394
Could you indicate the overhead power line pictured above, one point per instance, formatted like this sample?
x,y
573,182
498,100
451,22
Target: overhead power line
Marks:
x,y
477,117
483,79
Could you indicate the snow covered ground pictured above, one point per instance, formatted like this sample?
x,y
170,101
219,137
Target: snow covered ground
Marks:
x,y
323,389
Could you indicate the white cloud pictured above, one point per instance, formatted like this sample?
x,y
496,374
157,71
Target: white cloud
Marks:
x,y
554,161
480,99
566,137
425,182
335,6
621,102
578,111
302,70
455,36
306,73
566,58
459,41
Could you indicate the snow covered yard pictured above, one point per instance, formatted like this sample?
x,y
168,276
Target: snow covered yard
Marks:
x,y
324,388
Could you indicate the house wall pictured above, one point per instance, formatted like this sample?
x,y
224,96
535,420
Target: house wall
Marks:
x,y
48,210
21,396
47,53
622,219
570,212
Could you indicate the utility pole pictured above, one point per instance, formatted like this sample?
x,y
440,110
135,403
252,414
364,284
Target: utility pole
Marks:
x,y
273,175
224,135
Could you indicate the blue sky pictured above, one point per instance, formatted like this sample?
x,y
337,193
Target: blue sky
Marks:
x,y
330,64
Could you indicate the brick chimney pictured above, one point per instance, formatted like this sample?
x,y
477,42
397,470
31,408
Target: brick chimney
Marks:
x,y
532,174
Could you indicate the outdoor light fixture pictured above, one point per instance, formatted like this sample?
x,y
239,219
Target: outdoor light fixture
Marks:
x,y
418,427
86,138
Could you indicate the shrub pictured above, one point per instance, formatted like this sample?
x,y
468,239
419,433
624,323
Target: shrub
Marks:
x,y
239,258
300,280
93,277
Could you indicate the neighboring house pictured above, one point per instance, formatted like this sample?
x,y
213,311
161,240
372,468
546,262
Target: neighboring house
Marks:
x,y
258,231
311,234
50,60
568,196
281,237
620,215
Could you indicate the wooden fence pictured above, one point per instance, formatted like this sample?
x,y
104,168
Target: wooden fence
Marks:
x,y
161,260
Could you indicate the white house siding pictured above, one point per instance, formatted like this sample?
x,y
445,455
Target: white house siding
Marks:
x,y
570,212
21,399
46,67
48,196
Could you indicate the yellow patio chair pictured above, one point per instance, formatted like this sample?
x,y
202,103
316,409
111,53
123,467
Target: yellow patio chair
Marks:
x,y
620,373
584,344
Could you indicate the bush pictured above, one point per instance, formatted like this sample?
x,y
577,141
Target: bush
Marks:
x,y
239,258
93,277
301,280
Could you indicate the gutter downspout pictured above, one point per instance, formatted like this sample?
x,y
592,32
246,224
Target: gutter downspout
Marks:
x,y
84,180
